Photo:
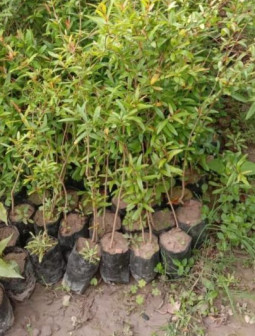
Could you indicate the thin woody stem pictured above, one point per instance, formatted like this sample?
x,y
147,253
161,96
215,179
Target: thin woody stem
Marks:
x,y
170,203
105,186
118,201
14,187
43,211
142,228
149,225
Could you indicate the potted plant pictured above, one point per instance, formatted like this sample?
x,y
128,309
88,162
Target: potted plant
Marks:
x,y
21,216
47,219
191,221
8,269
163,220
82,265
131,225
47,258
174,245
6,312
144,256
20,288
7,231
72,226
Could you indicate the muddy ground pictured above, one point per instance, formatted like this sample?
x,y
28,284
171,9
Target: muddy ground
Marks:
x,y
110,310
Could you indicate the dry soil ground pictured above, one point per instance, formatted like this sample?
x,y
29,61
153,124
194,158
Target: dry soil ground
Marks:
x,y
108,310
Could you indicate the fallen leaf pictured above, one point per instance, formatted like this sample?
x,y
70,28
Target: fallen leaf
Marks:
x,y
66,300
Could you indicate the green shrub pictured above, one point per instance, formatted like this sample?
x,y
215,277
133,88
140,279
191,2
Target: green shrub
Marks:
x,y
119,93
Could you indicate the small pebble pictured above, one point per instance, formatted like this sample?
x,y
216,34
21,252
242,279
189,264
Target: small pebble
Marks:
x,y
145,317
66,300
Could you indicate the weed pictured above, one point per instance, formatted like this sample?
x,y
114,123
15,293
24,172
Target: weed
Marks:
x,y
40,244
90,254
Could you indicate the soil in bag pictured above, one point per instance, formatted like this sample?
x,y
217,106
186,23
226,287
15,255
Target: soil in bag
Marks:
x,y
72,201
51,223
178,195
114,265
144,257
52,266
194,181
21,217
174,245
19,289
37,199
162,221
75,225
189,217
122,206
104,224
131,226
7,231
82,265
6,312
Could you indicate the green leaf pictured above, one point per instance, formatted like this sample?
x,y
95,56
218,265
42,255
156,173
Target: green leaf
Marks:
x,y
4,243
3,214
251,111
173,153
161,125
7,270
217,166
99,21
139,299
248,167
237,96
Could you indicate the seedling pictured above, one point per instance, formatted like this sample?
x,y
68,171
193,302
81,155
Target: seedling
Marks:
x,y
139,299
40,244
90,254
94,282
23,215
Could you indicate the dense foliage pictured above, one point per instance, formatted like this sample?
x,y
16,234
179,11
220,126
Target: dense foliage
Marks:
x,y
119,94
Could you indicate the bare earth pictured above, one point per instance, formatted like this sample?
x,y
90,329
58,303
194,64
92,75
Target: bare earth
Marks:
x,y
110,310
101,311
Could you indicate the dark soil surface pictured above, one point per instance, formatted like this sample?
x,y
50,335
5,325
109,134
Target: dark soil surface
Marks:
x,y
190,213
74,223
146,249
38,218
105,223
163,220
16,217
120,243
84,243
6,231
175,240
122,204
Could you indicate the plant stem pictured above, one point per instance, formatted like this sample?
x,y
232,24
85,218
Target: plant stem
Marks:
x,y
149,225
183,180
44,223
118,200
105,186
14,187
170,203
141,224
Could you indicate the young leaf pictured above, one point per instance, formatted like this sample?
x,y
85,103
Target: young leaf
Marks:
x,y
251,111
4,243
3,214
7,270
